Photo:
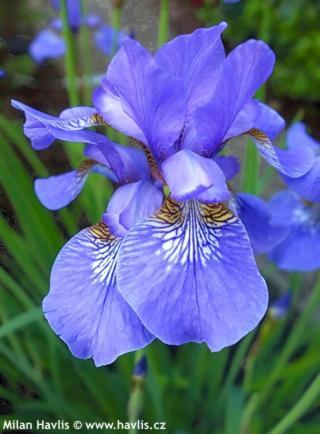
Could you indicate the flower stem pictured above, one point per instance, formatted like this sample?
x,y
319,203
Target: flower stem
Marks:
x,y
116,23
251,169
70,58
163,28
86,58
135,403
301,406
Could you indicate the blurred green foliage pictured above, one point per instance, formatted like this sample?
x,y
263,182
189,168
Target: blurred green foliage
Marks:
x,y
290,27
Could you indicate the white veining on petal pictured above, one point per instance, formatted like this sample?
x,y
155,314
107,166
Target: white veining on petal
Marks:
x,y
106,247
189,232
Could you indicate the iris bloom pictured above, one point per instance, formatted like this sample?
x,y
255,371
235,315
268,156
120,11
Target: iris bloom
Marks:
x,y
184,270
298,209
49,44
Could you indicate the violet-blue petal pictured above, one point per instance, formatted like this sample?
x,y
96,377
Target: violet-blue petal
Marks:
x,y
284,207
300,250
256,115
308,185
107,39
46,45
293,162
131,204
58,191
188,174
84,307
139,99
298,136
245,69
194,58
190,275
42,129
129,164
257,219
229,165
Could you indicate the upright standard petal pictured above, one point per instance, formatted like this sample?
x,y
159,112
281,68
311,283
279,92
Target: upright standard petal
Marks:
x,y
84,306
293,162
190,275
138,98
187,175
257,219
47,45
245,69
131,204
195,59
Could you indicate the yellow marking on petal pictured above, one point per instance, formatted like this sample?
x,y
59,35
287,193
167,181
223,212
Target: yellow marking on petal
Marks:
x,y
152,162
85,165
170,212
96,118
259,135
102,232
217,214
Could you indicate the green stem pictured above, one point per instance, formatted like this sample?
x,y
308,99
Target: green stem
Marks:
x,y
86,58
251,169
69,58
301,406
116,24
163,28
135,403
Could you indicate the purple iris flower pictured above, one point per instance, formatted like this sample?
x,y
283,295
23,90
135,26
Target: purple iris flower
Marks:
x,y
299,251
298,210
179,268
49,43
308,185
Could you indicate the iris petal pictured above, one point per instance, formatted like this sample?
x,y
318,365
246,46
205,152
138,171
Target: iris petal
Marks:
x,y
139,99
293,162
256,115
308,185
245,69
194,58
58,191
297,136
189,273
189,175
42,129
84,306
257,219
130,204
